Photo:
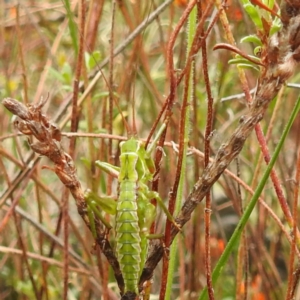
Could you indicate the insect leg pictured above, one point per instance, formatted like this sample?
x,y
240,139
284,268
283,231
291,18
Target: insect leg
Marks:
x,y
154,141
108,168
106,203
146,215
155,195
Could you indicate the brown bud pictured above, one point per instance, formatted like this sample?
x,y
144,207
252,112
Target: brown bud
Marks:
x,y
16,107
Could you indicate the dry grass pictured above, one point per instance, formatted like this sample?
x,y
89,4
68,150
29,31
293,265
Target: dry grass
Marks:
x,y
39,250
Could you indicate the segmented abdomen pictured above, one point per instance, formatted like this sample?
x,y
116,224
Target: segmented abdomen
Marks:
x,y
128,239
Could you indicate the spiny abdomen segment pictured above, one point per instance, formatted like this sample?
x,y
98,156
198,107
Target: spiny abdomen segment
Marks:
x,y
128,239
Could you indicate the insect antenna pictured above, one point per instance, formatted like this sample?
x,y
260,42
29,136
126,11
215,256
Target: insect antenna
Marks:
x,y
134,130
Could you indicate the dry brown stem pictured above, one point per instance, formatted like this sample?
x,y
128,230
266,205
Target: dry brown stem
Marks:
x,y
31,121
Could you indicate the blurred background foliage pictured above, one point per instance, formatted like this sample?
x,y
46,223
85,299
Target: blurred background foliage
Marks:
x,y
38,54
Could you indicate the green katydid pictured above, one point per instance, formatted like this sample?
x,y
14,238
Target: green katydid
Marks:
x,y
133,209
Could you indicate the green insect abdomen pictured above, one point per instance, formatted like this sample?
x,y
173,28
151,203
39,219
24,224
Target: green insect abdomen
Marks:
x,y
128,249
128,239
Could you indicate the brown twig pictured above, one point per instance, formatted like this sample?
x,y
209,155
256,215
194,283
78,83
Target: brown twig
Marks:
x,y
296,276
74,127
292,279
194,49
93,20
65,217
208,131
170,101
31,121
15,201
196,45
50,261
237,51
24,253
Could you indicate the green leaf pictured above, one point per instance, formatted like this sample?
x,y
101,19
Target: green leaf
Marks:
x,y
66,72
86,59
235,61
108,204
57,75
241,60
86,162
248,66
271,3
276,26
108,168
252,39
67,88
253,13
64,76
91,60
257,50
94,59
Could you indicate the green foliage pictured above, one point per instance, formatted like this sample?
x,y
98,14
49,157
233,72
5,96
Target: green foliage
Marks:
x,y
92,60
252,39
257,16
64,76
244,63
253,13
